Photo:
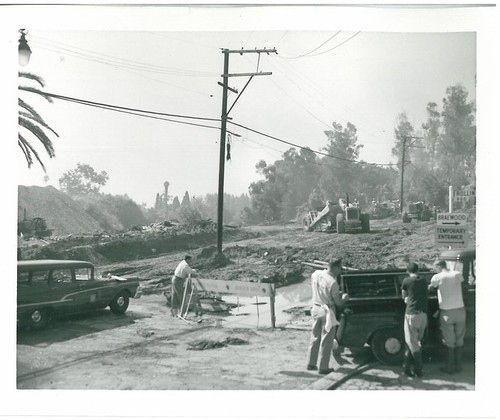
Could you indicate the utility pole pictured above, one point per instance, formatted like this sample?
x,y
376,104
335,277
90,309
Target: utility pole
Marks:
x,y
224,118
403,164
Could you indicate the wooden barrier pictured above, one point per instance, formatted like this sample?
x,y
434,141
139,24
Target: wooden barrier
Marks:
x,y
239,288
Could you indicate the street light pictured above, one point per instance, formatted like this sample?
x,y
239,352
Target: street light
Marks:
x,y
24,49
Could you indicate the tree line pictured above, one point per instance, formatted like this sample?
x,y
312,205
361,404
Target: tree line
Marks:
x,y
439,153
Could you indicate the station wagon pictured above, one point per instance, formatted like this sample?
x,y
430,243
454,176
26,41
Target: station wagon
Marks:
x,y
49,288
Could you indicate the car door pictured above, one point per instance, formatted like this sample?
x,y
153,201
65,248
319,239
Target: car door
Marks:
x,y
64,290
90,290
33,289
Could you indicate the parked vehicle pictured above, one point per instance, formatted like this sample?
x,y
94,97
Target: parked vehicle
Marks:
x,y
417,210
375,312
381,210
50,288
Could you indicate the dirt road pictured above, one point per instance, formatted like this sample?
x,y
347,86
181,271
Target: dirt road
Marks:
x,y
146,349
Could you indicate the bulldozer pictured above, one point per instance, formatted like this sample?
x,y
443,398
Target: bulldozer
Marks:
x,y
36,227
417,210
341,217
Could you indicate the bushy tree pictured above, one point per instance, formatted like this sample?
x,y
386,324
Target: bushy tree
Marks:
x,y
83,180
457,146
267,194
339,174
446,152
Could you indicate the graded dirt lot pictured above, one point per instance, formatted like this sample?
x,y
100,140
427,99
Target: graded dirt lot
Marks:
x,y
148,349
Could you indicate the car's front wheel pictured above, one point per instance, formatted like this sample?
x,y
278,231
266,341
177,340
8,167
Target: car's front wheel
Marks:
x,y
119,304
37,318
388,346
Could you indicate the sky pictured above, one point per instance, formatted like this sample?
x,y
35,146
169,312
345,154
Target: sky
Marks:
x,y
382,61
318,77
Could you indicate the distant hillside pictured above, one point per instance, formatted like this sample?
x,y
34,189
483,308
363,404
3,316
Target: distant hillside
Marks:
x,y
90,214
63,214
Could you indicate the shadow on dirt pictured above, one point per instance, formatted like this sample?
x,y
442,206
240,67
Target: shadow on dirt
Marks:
x,y
74,326
299,374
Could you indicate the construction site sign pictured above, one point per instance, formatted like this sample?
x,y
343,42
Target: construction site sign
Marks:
x,y
238,288
452,219
451,236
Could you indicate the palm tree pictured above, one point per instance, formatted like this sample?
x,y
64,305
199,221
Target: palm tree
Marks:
x,y
33,123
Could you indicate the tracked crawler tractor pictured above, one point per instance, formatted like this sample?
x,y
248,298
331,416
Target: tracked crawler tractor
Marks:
x,y
342,217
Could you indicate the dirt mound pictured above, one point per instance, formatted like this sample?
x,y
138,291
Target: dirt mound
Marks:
x,y
63,214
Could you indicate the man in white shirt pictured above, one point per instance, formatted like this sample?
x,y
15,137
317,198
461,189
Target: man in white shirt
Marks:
x,y
181,274
325,298
452,313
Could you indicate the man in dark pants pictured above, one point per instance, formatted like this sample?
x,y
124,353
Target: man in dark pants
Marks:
x,y
326,297
414,293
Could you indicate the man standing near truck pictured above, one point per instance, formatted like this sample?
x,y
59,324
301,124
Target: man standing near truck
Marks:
x,y
326,298
451,313
414,293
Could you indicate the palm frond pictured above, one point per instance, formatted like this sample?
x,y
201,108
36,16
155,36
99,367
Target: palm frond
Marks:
x,y
30,149
37,91
21,142
28,108
32,76
38,120
39,133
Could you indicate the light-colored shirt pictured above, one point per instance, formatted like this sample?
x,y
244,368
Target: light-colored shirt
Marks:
x,y
183,270
325,289
449,284
325,292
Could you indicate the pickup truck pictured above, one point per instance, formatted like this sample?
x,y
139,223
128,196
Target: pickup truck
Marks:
x,y
375,311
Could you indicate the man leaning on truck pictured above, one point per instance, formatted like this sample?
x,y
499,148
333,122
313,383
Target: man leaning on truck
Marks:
x,y
451,313
414,293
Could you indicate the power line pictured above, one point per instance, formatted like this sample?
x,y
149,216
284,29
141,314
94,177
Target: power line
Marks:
x,y
159,115
87,102
306,148
334,48
309,54
109,59
315,49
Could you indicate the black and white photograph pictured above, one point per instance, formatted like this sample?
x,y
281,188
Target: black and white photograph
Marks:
x,y
252,198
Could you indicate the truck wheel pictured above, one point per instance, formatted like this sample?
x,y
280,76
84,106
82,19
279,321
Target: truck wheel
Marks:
x,y
388,346
119,304
37,319
406,219
365,223
340,223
